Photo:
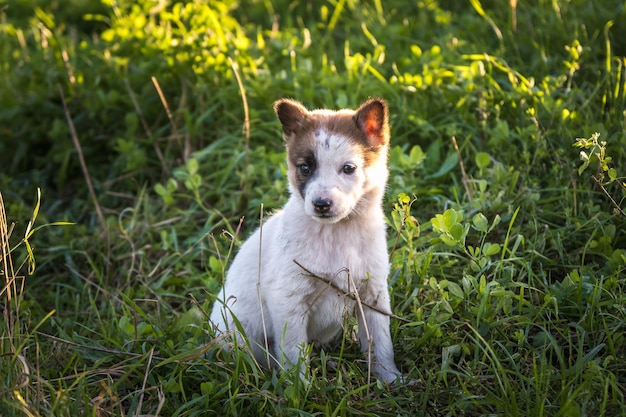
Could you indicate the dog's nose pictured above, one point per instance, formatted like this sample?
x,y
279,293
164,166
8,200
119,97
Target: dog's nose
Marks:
x,y
322,205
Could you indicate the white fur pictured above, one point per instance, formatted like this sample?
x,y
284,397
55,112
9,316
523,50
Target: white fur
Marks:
x,y
348,247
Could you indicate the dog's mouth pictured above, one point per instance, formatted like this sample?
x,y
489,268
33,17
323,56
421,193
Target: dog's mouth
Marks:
x,y
326,218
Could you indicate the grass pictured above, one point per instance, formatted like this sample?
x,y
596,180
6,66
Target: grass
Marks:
x,y
505,202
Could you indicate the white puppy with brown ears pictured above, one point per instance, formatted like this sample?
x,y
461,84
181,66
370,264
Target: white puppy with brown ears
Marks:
x,y
324,255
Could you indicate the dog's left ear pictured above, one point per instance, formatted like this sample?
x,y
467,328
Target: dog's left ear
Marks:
x,y
373,120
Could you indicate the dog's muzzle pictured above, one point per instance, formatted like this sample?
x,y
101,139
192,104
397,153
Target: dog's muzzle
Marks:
x,y
322,205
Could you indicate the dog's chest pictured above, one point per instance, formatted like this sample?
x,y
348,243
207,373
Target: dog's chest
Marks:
x,y
339,265
340,256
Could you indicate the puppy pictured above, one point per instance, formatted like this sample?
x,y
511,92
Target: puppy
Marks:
x,y
324,255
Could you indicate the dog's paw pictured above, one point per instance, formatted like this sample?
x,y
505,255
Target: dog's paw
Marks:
x,y
389,374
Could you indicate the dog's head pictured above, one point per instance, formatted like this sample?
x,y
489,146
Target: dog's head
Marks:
x,y
337,159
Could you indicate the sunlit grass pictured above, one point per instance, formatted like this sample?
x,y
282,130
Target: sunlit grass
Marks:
x,y
508,246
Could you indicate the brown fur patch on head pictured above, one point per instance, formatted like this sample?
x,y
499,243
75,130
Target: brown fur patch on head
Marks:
x,y
367,127
372,117
292,115
299,139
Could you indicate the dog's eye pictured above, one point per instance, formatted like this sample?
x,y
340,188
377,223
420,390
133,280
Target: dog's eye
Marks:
x,y
304,169
348,169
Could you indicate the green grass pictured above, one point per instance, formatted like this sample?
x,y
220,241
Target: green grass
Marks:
x,y
508,245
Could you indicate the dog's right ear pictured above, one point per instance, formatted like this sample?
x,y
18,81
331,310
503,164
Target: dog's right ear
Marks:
x,y
291,115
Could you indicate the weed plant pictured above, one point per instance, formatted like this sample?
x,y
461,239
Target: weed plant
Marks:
x,y
148,126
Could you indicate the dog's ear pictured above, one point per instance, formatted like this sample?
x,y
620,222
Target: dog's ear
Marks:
x,y
291,115
373,120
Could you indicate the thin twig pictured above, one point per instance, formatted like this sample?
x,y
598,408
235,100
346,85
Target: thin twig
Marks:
x,y
163,100
133,356
146,128
397,239
145,380
196,303
68,66
81,158
258,289
168,111
617,207
365,327
101,289
246,112
182,103
348,294
97,349
9,274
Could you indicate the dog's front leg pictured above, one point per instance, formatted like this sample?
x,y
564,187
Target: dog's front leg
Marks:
x,y
291,339
375,338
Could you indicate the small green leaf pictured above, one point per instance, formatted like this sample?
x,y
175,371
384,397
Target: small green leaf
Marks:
x,y
417,155
496,221
206,388
125,325
474,266
450,162
583,166
439,224
457,231
455,290
448,354
482,160
160,190
432,282
416,50
480,222
215,264
451,216
491,249
192,166
448,240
